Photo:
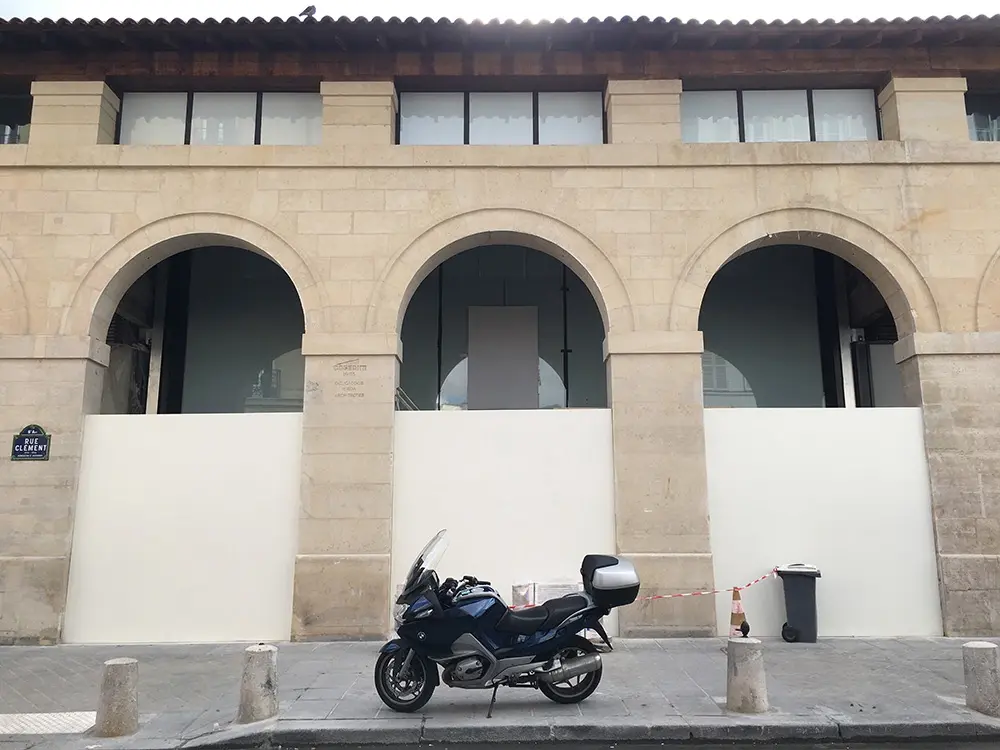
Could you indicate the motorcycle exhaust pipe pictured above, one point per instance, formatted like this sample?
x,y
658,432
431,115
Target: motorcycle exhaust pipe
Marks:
x,y
572,668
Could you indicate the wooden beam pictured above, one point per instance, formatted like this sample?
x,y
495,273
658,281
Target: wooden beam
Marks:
x,y
340,58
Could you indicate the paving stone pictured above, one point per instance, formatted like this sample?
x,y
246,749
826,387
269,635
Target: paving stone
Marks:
x,y
657,690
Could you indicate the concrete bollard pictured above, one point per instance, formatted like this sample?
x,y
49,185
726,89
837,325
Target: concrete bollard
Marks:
x,y
746,687
118,704
259,686
982,677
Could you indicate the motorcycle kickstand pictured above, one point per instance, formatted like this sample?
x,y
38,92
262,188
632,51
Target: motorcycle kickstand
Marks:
x,y
493,700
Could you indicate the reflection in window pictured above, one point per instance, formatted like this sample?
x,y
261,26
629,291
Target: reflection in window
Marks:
x,y
454,394
787,348
279,386
983,116
724,385
568,329
788,115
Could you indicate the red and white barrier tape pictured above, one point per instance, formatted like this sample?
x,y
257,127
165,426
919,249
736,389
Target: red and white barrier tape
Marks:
x,y
769,574
713,592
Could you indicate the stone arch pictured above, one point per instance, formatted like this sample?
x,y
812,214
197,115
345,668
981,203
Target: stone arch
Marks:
x,y
988,296
13,299
536,231
894,274
103,286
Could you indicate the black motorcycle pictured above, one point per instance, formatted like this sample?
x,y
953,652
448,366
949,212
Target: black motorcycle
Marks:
x,y
465,627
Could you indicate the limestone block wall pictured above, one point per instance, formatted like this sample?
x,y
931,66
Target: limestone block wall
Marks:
x,y
357,223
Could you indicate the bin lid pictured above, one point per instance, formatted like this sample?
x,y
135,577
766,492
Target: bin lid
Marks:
x,y
799,569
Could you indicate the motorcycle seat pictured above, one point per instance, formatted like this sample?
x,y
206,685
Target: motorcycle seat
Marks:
x,y
541,618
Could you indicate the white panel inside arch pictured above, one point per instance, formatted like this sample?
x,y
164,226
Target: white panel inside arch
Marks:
x,y
186,529
846,490
524,494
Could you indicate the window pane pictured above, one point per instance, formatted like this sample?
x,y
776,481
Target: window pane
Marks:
x,y
501,119
15,116
709,117
431,119
223,119
771,116
244,336
983,117
570,118
153,119
845,115
291,119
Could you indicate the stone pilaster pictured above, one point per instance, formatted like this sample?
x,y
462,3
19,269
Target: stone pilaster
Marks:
x,y
661,495
643,111
956,379
924,109
359,112
52,382
73,113
342,569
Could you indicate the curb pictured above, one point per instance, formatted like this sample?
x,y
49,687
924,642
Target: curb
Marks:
x,y
668,731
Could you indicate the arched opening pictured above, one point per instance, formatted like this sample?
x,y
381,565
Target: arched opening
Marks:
x,y
502,327
805,339
503,404
211,330
794,326
196,451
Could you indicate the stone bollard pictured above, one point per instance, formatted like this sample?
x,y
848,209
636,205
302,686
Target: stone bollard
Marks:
x,y
746,687
118,704
259,686
982,677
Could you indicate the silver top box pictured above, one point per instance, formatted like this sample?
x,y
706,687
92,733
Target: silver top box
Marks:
x,y
620,576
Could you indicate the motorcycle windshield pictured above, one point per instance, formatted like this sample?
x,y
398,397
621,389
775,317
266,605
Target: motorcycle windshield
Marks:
x,y
428,558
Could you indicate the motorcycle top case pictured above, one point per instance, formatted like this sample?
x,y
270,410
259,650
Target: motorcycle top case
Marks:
x,y
610,581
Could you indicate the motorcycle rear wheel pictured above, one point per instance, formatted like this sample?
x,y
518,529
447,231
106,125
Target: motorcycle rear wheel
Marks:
x,y
574,692
408,693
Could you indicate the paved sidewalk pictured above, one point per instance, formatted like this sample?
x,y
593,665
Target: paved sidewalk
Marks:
x,y
663,690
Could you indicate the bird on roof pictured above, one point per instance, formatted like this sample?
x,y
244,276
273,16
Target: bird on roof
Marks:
x,y
309,12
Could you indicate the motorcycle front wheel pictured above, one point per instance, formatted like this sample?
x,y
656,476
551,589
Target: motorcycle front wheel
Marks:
x,y
575,689
403,692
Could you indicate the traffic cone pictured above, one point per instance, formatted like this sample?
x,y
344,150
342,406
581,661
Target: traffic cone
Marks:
x,y
738,625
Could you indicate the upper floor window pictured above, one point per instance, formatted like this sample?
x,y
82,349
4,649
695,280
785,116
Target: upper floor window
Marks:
x,y
983,115
779,116
221,119
509,118
15,118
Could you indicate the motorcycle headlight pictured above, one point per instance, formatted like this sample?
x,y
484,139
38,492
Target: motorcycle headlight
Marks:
x,y
398,611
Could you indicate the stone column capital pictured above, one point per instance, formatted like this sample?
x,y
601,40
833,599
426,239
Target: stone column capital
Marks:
x,y
54,347
947,342
351,345
654,342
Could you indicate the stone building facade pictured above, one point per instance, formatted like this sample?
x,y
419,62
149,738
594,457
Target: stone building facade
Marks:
x,y
357,221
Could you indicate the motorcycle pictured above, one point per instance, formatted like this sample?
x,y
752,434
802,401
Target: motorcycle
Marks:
x,y
465,628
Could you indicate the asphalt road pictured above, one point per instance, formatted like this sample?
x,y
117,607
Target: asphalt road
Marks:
x,y
662,746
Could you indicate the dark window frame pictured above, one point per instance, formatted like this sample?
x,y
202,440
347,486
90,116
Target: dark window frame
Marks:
x,y
810,110
535,119
189,111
